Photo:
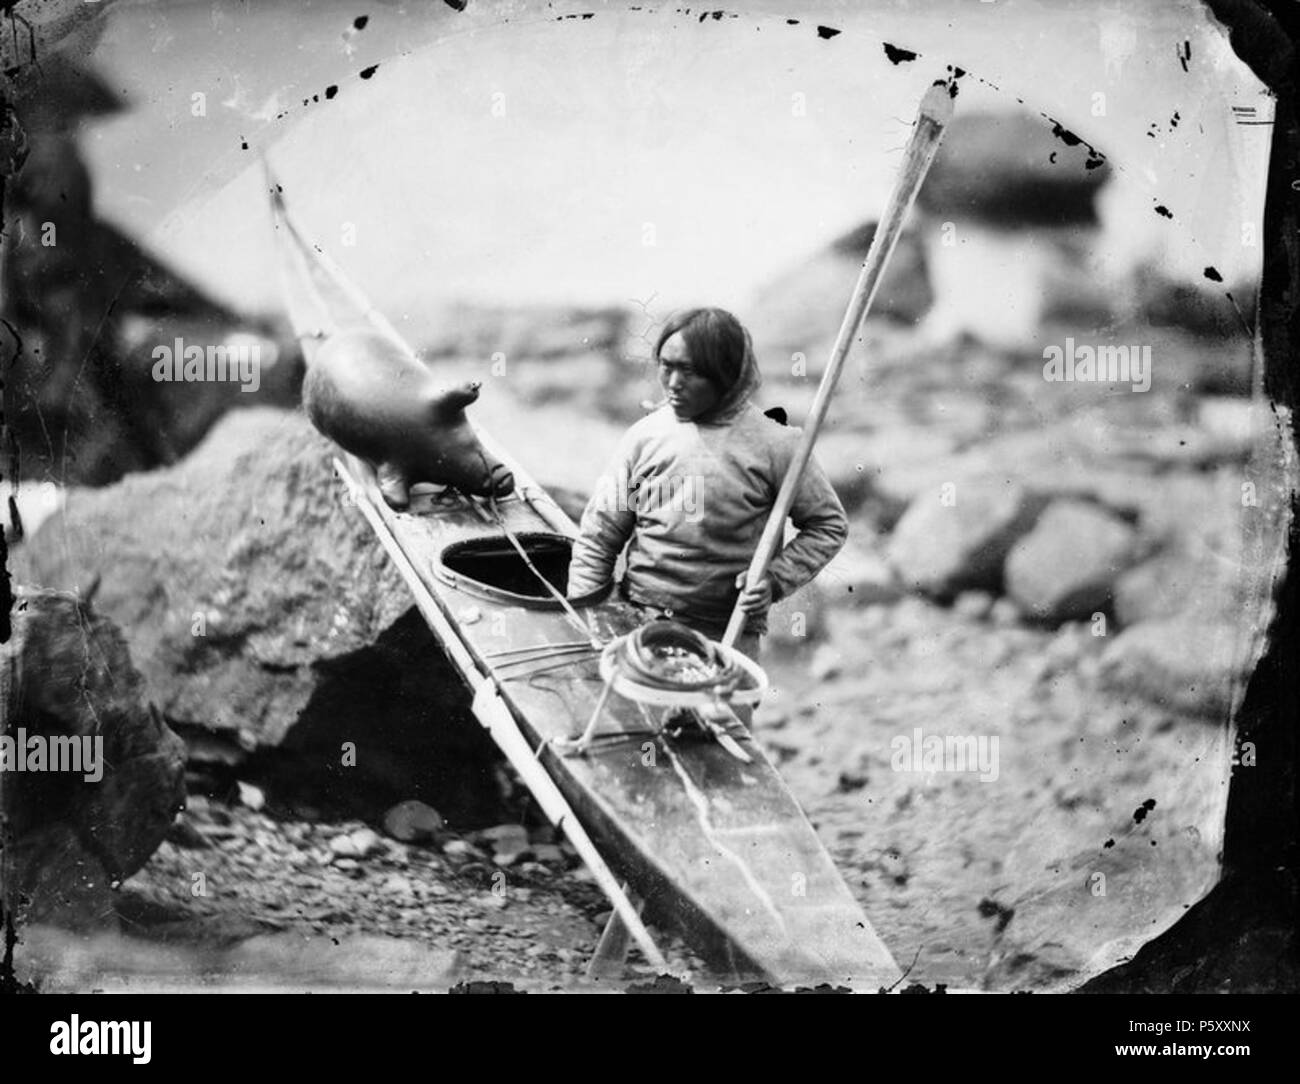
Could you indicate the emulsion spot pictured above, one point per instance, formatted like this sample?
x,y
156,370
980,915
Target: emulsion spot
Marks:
x,y
897,55
360,21
1213,275
330,91
366,73
1140,814
1161,209
827,32
1066,136
988,908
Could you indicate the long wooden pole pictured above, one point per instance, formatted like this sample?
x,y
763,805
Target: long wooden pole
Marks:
x,y
932,117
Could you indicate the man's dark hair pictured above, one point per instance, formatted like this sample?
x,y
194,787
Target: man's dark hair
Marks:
x,y
718,343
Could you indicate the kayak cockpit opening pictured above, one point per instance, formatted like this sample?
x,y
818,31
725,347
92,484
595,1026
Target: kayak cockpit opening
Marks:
x,y
492,568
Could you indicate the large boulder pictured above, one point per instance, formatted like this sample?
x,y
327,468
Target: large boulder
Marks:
x,y
956,539
88,307
800,310
232,573
271,626
79,824
1176,581
1013,170
855,578
1184,664
1200,307
1066,567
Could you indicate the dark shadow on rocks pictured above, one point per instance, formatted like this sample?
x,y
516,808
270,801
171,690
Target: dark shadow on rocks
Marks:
x,y
406,711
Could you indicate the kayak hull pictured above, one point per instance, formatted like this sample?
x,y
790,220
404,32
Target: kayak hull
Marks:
x,y
718,849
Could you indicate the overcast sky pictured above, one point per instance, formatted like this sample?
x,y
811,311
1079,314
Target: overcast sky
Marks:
x,y
504,156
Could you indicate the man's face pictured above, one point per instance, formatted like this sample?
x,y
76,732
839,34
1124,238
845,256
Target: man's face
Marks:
x,y
689,393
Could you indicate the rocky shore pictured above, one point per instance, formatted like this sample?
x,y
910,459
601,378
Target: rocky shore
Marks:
x,y
1005,706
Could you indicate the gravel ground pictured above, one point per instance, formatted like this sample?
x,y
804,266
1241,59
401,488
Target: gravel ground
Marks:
x,y
500,915
941,861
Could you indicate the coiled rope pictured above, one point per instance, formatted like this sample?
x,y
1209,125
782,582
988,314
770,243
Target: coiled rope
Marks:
x,y
667,655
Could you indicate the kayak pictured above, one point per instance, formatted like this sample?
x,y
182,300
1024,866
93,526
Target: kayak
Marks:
x,y
687,828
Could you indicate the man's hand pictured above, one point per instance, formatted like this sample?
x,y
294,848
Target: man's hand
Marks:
x,y
754,599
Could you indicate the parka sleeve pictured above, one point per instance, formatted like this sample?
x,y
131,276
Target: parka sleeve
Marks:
x,y
607,524
822,526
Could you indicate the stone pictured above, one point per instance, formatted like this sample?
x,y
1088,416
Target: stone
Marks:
x,y
506,833
343,847
359,844
1183,664
547,852
1012,170
397,885
265,616
1202,308
798,619
882,472
941,549
461,849
225,572
1228,581
827,662
1066,567
795,311
412,822
1004,614
66,671
858,577
185,833
509,843
251,797
973,605
366,841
